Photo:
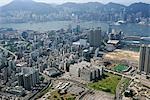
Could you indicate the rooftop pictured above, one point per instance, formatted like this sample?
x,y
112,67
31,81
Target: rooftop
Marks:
x,y
113,42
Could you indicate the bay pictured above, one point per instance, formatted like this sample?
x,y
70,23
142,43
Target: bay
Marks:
x,y
130,29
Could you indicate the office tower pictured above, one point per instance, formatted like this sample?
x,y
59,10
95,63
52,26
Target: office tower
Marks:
x,y
124,14
144,61
110,29
70,28
78,29
95,37
147,60
41,68
142,57
37,76
5,73
33,79
28,78
11,64
27,81
20,79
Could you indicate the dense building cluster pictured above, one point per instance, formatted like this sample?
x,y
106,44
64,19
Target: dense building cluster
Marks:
x,y
28,78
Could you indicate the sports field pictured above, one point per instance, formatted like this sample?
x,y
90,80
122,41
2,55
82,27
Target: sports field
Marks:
x,y
120,68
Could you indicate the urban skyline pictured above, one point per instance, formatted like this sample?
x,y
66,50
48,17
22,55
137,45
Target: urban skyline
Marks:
x,y
84,51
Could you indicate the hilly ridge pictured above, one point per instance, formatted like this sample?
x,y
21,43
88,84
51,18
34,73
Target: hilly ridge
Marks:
x,y
85,11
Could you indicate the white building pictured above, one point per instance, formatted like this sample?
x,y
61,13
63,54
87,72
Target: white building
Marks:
x,y
86,71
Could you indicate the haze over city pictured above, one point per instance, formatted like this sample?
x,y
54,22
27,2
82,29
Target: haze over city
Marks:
x,y
125,2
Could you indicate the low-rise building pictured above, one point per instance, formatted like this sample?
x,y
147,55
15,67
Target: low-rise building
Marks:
x,y
52,72
18,91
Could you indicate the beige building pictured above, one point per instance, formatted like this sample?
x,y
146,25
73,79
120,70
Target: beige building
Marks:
x,y
86,71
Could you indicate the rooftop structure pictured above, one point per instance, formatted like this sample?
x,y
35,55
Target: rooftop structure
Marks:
x,y
52,72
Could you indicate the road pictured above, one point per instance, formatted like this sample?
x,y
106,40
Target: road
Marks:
x,y
118,90
38,94
133,78
84,85
83,94
4,49
69,80
116,73
63,79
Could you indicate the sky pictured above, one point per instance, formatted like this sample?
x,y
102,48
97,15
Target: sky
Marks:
x,y
125,2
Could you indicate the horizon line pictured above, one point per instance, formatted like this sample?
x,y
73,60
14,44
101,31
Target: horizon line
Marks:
x,y
81,3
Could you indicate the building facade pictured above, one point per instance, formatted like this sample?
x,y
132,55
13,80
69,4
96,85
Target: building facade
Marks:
x,y
144,61
95,37
28,78
86,71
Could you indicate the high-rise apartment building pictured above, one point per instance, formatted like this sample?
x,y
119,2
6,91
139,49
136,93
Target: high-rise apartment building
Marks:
x,y
142,57
144,61
147,60
28,78
95,37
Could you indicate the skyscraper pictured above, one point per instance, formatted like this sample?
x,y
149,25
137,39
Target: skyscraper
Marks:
x,y
27,81
5,73
142,57
20,79
28,78
144,61
110,29
147,60
95,37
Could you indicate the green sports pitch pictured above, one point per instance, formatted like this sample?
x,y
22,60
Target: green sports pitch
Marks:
x,y
120,68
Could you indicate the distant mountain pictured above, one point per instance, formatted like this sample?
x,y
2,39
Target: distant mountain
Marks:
x,y
139,8
75,5
28,5
114,6
27,10
81,7
92,5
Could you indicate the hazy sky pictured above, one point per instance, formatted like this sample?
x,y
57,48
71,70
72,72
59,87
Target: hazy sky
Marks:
x,y
125,2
